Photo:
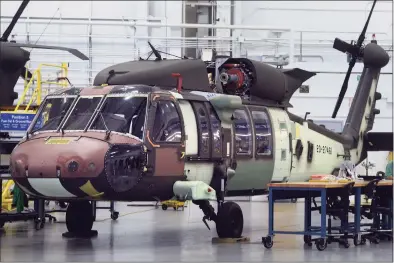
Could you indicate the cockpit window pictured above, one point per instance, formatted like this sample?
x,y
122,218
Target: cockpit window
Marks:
x,y
81,114
122,114
52,114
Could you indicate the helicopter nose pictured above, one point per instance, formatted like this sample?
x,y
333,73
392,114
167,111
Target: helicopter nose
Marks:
x,y
59,158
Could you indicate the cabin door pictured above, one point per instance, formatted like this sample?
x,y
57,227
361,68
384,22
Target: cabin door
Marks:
x,y
165,136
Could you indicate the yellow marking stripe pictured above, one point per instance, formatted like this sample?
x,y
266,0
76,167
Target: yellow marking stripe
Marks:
x,y
58,141
89,189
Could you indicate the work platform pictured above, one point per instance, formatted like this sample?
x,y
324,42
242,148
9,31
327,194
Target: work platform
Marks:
x,y
325,190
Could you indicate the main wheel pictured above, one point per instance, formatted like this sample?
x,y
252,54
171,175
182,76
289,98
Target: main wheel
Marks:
x,y
79,217
164,207
229,221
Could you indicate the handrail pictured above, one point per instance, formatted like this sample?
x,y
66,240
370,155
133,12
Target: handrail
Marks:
x,y
37,76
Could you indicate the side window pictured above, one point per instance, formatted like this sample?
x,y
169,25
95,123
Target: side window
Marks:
x,y
243,133
203,126
167,126
263,133
216,132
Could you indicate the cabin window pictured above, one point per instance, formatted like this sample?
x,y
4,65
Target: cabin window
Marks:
x,y
216,132
263,132
82,113
203,128
122,114
243,133
52,114
167,126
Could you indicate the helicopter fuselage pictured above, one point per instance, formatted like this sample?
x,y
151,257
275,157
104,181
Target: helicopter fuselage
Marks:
x,y
139,143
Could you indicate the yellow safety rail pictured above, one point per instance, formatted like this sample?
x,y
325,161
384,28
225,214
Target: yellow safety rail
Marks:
x,y
37,93
6,195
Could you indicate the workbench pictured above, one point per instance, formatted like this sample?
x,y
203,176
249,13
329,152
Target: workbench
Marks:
x,y
309,190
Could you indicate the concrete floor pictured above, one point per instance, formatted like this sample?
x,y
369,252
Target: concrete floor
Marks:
x,y
148,234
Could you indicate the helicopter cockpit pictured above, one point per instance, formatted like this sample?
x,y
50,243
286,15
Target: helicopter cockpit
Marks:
x,y
123,113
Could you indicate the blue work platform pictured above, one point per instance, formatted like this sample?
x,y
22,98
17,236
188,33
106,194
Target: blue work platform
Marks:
x,y
310,190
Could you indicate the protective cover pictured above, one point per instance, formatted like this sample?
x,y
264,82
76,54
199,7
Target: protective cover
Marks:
x,y
271,83
159,73
12,62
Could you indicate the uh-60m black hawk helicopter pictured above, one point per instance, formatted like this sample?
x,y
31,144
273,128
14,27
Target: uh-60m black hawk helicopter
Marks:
x,y
136,136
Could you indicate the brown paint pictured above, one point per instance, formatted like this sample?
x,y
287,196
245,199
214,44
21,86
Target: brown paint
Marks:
x,y
96,91
168,162
83,147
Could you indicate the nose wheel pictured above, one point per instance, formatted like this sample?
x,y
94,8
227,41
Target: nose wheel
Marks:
x,y
79,220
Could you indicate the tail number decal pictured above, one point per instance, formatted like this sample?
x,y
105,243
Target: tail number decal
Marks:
x,y
323,149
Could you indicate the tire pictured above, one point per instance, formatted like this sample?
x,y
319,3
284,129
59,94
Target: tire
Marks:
x,y
114,215
308,240
321,244
357,241
79,217
229,221
267,242
164,207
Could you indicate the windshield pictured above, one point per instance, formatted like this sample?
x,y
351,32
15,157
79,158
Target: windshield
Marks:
x,y
122,114
52,114
81,114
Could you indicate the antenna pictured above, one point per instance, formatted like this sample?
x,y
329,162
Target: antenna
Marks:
x,y
157,54
355,50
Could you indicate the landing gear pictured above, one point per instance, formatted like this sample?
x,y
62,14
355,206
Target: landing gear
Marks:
x,y
79,220
229,221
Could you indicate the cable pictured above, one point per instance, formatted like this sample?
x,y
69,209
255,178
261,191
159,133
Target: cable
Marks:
x,y
45,28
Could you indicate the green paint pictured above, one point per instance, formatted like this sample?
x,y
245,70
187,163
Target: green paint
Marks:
x,y
252,174
282,126
358,77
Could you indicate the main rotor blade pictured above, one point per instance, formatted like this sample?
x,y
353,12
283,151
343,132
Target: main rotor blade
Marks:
x,y
26,74
18,13
344,88
73,51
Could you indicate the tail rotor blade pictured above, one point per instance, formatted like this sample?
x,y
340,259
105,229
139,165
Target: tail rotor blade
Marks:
x,y
343,89
362,35
355,51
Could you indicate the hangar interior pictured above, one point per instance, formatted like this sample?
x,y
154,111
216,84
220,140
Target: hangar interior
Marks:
x,y
283,34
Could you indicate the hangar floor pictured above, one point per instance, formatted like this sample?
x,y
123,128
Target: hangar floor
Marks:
x,y
149,234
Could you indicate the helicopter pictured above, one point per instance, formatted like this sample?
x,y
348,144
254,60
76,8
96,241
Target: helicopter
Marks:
x,y
150,130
